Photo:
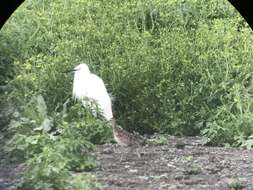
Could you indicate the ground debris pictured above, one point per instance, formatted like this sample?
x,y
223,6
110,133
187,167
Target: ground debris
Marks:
x,y
182,163
192,166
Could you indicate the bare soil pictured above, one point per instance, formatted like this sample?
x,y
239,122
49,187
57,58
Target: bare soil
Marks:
x,y
181,163
8,175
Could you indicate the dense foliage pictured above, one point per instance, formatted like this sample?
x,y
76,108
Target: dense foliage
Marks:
x,y
55,146
177,67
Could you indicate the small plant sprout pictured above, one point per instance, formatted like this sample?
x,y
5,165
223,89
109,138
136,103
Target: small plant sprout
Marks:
x,y
236,183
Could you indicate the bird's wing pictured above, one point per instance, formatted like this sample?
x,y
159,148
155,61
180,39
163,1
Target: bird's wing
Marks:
x,y
96,90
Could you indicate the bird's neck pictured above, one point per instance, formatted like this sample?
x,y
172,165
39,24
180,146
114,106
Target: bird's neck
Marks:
x,y
79,84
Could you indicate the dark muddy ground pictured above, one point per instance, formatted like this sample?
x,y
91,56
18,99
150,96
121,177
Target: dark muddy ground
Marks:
x,y
182,163
8,175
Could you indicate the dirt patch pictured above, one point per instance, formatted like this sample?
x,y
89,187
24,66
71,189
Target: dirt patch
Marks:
x,y
8,171
183,163
8,175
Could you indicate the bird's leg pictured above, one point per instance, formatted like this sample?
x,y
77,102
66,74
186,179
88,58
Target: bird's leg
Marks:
x,y
121,158
122,155
138,153
113,148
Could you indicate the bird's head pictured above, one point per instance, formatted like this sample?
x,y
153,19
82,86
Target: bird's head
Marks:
x,y
83,68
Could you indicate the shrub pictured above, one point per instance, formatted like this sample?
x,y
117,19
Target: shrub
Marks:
x,y
177,67
54,147
174,67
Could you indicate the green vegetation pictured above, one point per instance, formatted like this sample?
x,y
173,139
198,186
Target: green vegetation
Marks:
x,y
174,67
55,147
192,169
236,183
158,140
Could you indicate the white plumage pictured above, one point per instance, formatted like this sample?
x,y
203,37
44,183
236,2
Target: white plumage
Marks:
x,y
88,85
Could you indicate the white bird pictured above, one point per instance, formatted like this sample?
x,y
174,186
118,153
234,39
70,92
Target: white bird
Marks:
x,y
89,86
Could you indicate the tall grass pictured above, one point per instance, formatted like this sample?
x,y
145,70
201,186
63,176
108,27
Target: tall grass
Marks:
x,y
177,67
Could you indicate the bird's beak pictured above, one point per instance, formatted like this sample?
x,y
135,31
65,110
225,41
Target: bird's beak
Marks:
x,y
71,71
